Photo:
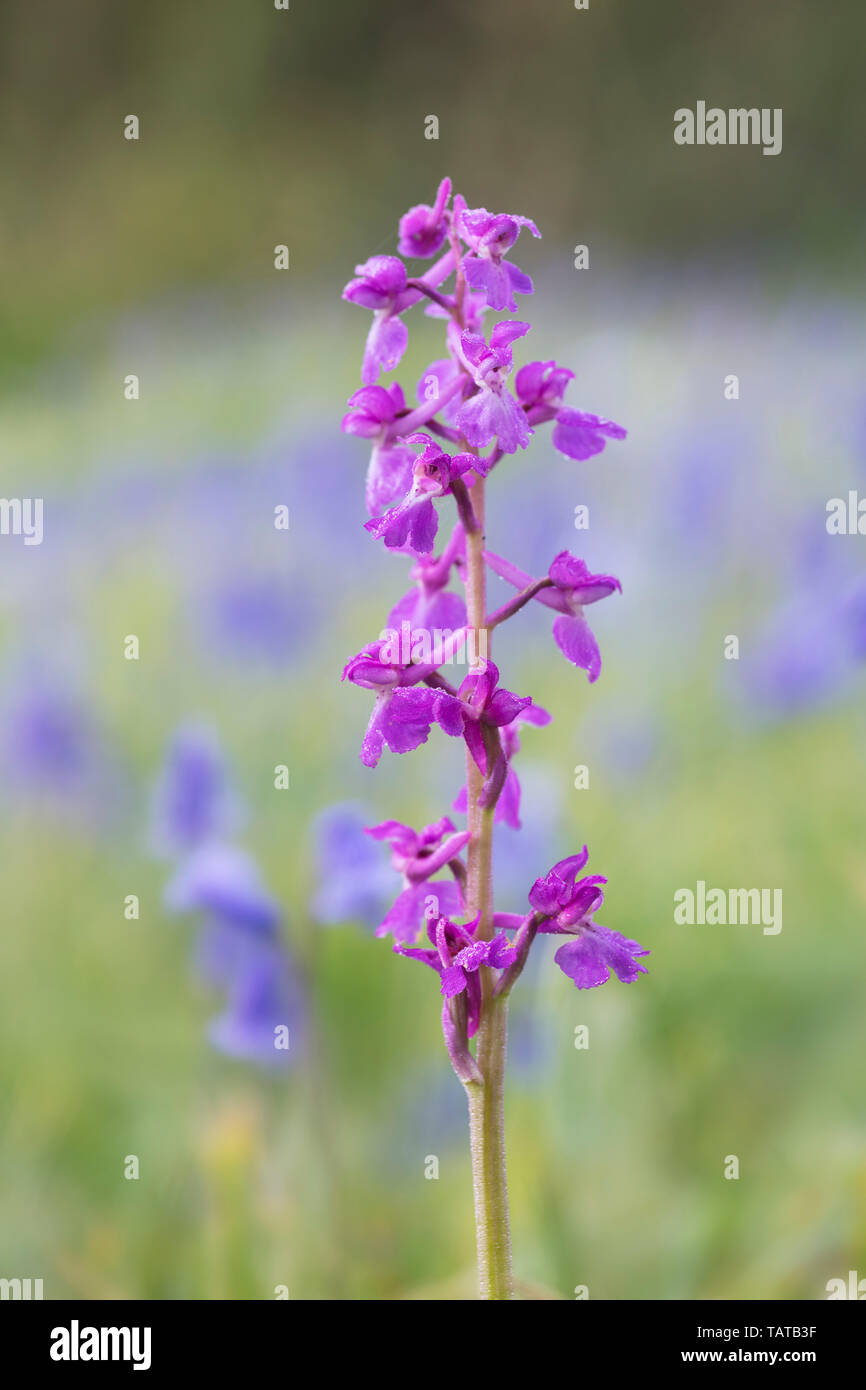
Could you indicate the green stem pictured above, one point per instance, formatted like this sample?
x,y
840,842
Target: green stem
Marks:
x,y
487,1145
486,1098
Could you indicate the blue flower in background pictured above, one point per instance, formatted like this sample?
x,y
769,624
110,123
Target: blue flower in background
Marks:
x,y
252,618
53,751
800,659
355,883
808,649
697,510
48,737
239,948
854,614
223,882
193,802
265,1010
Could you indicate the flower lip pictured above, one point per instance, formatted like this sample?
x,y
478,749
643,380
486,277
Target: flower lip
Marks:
x,y
581,435
589,958
492,412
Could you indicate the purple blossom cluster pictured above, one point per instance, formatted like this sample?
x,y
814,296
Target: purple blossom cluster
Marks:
x,y
473,411
240,948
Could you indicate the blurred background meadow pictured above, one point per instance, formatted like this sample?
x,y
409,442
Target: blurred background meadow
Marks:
x,y
155,257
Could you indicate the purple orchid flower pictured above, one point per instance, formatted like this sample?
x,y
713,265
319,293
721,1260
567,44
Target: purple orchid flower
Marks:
x,y
373,410
381,284
379,414
379,665
540,387
457,956
573,588
423,229
401,717
466,400
493,413
566,904
417,856
489,237
480,704
413,523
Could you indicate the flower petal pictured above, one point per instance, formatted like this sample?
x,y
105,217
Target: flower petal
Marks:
x,y
589,960
579,435
575,640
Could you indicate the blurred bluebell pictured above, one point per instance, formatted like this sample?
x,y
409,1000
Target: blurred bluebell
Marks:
x,y
53,751
239,948
224,882
253,618
799,659
47,736
854,617
355,882
697,507
265,1000
193,802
